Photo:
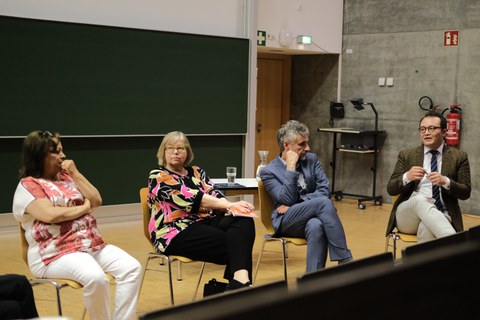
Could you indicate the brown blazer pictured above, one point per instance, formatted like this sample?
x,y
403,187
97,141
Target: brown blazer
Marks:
x,y
455,166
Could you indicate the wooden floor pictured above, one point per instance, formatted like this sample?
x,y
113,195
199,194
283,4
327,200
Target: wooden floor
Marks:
x,y
364,229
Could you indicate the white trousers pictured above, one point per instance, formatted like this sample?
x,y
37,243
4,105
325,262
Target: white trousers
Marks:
x,y
89,269
418,215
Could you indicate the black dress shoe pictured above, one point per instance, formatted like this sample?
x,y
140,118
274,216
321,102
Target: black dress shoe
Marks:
x,y
234,285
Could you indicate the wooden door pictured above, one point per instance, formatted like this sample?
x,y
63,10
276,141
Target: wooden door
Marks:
x,y
273,101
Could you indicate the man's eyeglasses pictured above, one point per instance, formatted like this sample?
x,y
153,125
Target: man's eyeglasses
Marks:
x,y
429,129
178,149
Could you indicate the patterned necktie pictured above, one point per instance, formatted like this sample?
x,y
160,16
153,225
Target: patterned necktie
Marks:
x,y
435,188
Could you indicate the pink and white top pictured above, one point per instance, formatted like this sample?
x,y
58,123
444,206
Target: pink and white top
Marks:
x,y
49,241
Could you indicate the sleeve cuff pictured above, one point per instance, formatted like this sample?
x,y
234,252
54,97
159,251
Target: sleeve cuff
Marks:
x,y
405,179
446,186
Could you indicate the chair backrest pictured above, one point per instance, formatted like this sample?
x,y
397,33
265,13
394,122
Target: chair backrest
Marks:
x,y
223,306
404,236
394,199
423,248
266,207
350,269
24,243
474,233
145,212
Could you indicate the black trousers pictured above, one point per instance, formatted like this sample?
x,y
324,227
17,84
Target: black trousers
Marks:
x,y
16,298
224,240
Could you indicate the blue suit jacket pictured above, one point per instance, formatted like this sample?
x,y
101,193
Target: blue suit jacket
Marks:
x,y
282,184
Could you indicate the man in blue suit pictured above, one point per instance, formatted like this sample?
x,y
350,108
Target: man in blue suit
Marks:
x,y
301,192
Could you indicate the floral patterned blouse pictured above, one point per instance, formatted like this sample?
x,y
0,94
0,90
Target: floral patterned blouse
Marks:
x,y
49,241
174,202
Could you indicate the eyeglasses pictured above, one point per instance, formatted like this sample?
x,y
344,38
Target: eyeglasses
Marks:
x,y
46,134
429,129
178,149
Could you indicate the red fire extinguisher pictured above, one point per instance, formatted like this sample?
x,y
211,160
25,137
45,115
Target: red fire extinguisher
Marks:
x,y
452,138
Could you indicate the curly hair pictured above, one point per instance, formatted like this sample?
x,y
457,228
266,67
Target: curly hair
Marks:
x,y
289,131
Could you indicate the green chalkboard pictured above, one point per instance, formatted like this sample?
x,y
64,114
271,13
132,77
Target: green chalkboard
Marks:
x,y
83,80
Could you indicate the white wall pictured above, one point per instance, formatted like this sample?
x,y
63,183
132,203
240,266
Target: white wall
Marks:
x,y
320,19
211,17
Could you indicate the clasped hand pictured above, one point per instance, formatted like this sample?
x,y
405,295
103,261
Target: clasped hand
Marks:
x,y
88,206
417,173
69,166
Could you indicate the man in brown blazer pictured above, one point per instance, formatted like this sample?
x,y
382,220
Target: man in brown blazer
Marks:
x,y
416,211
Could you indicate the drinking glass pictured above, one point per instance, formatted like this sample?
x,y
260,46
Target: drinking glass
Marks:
x,y
263,162
231,175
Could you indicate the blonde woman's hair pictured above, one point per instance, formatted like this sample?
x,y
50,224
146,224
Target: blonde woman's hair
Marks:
x,y
170,139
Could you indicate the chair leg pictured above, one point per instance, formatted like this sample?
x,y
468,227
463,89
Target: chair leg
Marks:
x,y
57,286
199,280
169,265
258,261
179,271
284,251
145,268
394,237
59,303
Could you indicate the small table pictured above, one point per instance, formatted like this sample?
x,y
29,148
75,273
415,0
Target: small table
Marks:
x,y
242,186
362,138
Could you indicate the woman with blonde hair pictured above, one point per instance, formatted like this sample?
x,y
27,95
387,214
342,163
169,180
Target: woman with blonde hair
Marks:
x,y
192,218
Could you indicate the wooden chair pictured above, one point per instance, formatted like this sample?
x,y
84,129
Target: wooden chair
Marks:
x,y
57,283
395,235
155,255
266,208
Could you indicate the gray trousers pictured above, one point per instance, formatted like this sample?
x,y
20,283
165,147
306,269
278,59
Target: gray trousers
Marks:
x,y
418,215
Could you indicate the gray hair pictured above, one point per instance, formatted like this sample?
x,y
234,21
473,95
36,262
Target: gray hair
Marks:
x,y
289,131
